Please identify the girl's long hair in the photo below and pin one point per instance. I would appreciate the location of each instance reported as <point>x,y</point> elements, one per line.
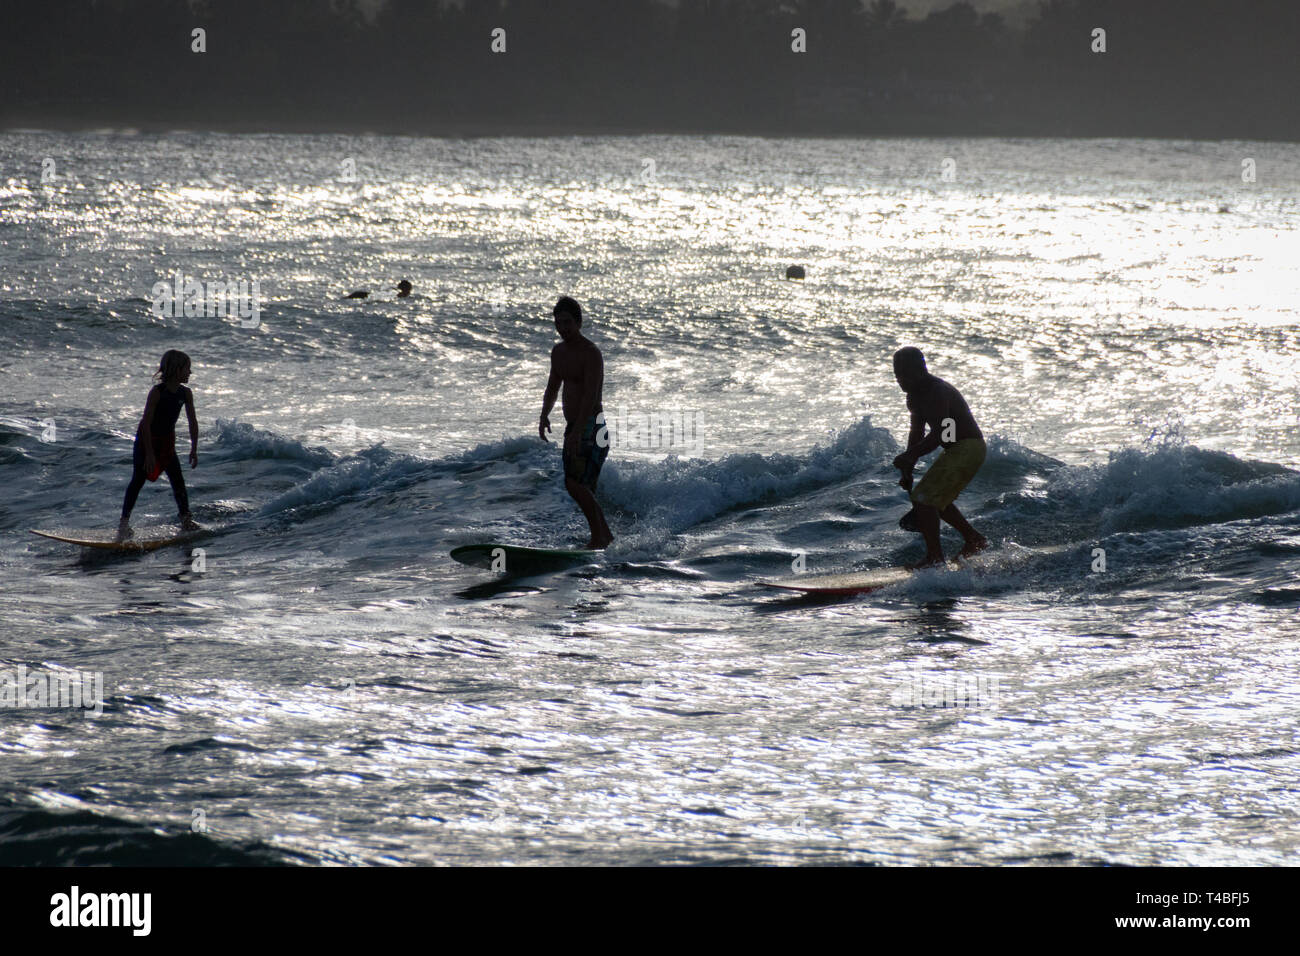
<point>173,363</point>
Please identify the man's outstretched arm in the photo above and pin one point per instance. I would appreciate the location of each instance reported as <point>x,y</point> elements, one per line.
<point>917,430</point>
<point>918,444</point>
<point>922,448</point>
<point>553,383</point>
<point>904,462</point>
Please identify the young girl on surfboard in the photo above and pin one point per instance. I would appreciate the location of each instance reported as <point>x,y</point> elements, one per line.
<point>155,439</point>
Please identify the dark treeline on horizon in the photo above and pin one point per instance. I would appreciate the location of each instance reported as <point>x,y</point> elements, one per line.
<point>1173,68</point>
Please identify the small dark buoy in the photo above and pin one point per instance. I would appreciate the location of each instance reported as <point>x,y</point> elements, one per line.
<point>794,272</point>
<point>360,294</point>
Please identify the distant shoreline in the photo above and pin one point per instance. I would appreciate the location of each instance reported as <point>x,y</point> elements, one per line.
<point>484,130</point>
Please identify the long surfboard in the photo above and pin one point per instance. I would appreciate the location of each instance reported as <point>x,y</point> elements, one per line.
<point>843,583</point>
<point>145,538</point>
<point>513,559</point>
<point>864,582</point>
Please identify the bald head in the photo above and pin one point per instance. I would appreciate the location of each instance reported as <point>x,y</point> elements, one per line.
<point>909,368</point>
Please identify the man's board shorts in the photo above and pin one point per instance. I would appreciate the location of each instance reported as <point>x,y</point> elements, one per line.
<point>944,480</point>
<point>584,465</point>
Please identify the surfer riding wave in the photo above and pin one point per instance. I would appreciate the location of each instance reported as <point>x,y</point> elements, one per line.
<point>577,365</point>
<point>935,403</point>
<point>155,440</point>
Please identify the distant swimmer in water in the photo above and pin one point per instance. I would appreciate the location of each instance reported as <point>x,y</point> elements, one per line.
<point>576,364</point>
<point>934,402</point>
<point>155,439</point>
<point>403,290</point>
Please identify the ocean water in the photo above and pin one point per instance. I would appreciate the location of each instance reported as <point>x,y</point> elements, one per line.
<point>322,684</point>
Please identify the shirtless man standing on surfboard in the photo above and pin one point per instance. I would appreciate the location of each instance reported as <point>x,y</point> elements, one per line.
<point>576,364</point>
<point>934,402</point>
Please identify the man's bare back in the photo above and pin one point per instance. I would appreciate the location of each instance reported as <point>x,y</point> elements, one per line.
<point>937,403</point>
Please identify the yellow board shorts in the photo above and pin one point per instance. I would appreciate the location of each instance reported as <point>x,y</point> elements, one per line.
<point>952,471</point>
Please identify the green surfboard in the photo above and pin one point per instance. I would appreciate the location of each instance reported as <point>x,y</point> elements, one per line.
<point>513,559</point>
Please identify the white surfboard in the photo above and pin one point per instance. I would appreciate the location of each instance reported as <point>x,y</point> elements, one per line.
<point>145,538</point>
<point>864,582</point>
<point>844,582</point>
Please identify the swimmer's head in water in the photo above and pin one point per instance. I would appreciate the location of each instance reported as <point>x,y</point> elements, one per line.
<point>568,317</point>
<point>174,367</point>
<point>909,368</point>
<point>403,289</point>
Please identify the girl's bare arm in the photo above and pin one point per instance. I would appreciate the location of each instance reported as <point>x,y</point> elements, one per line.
<point>194,430</point>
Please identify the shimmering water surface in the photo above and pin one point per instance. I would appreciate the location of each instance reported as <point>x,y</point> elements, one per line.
<point>1120,314</point>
